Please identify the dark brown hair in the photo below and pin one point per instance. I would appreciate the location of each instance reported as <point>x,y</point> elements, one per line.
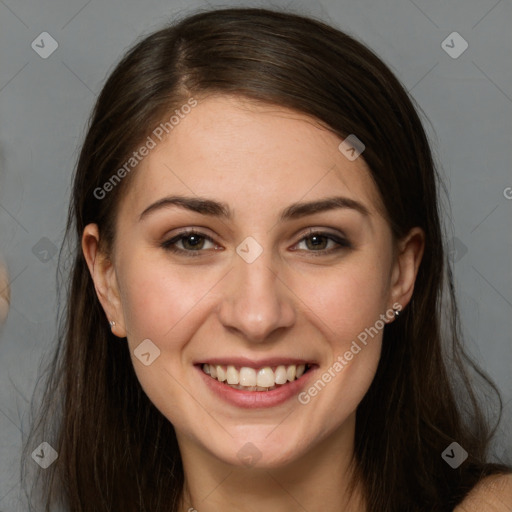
<point>117,452</point>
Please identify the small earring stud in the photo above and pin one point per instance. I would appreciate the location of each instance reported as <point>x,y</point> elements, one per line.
<point>112,323</point>
<point>397,313</point>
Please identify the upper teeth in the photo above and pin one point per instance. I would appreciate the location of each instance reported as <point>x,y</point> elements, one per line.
<point>265,377</point>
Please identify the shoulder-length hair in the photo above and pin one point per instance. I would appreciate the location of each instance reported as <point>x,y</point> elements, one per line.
<point>117,452</point>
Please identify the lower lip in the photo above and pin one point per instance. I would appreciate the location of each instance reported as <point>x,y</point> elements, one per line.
<point>256,399</point>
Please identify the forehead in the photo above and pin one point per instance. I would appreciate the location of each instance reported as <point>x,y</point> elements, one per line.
<point>248,154</point>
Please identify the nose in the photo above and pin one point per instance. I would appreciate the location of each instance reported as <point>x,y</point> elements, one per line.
<point>256,301</point>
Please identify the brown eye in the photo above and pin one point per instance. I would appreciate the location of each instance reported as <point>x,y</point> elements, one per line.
<point>192,243</point>
<point>323,243</point>
<point>317,242</point>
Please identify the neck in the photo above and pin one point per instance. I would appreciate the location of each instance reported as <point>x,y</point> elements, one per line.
<point>320,477</point>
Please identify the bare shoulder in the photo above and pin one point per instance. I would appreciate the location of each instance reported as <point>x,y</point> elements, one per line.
<point>492,494</point>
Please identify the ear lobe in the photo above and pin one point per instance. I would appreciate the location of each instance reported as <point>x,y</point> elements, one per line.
<point>104,277</point>
<point>409,254</point>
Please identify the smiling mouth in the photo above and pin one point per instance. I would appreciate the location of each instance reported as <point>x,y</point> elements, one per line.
<point>245,378</point>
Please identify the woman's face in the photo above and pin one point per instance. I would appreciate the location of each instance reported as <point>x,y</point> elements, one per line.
<point>273,277</point>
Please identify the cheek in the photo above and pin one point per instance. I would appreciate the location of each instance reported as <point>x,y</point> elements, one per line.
<point>157,297</point>
<point>346,300</point>
<point>164,305</point>
<point>347,309</point>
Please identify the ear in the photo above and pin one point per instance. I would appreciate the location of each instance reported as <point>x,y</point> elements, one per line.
<point>409,252</point>
<point>103,274</point>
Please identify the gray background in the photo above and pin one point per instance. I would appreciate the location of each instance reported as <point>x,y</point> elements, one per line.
<point>45,104</point>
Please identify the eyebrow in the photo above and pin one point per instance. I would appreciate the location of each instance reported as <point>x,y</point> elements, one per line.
<point>221,210</point>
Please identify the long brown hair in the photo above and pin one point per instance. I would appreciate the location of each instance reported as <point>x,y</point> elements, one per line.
<point>116,450</point>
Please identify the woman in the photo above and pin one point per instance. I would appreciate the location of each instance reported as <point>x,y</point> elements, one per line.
<point>254,316</point>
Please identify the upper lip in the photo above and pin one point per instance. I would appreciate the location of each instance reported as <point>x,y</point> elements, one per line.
<point>251,363</point>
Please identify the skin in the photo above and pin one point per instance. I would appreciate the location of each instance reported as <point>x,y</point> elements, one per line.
<point>289,302</point>
<point>492,494</point>
<point>5,293</point>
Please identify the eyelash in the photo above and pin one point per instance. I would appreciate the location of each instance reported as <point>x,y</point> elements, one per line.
<point>169,245</point>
